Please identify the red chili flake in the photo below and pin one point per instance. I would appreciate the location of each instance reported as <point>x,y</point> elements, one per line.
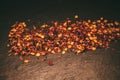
<point>15,54</point>
<point>51,63</point>
<point>21,58</point>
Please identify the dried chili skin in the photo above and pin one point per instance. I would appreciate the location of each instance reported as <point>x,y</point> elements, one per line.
<point>59,37</point>
<point>51,63</point>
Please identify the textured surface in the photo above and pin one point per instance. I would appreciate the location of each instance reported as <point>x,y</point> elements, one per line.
<point>91,65</point>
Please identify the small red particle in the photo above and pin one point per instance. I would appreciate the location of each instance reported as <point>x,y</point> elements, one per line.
<point>21,58</point>
<point>51,63</point>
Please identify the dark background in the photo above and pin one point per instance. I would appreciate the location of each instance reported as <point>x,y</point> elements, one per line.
<point>86,8</point>
<point>21,10</point>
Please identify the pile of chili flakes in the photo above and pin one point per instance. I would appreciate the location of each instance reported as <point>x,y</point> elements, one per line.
<point>59,37</point>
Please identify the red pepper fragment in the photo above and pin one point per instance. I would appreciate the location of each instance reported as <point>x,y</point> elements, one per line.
<point>51,63</point>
